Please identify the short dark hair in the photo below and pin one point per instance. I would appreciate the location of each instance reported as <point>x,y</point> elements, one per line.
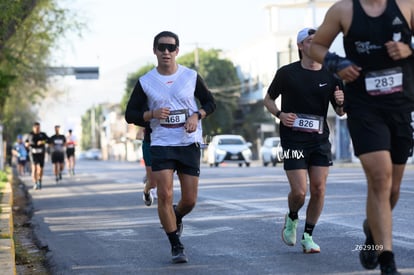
<point>36,123</point>
<point>166,34</point>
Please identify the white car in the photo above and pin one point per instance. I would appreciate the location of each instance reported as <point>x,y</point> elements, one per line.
<point>229,148</point>
<point>271,151</point>
<point>94,153</point>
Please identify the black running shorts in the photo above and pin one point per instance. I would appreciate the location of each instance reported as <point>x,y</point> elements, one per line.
<point>70,152</point>
<point>183,159</point>
<point>296,157</point>
<point>382,130</point>
<point>38,159</point>
<point>58,157</point>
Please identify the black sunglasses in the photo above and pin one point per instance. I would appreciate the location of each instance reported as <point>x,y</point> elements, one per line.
<point>163,46</point>
<point>311,31</point>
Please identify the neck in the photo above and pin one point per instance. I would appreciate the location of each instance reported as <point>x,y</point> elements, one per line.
<point>310,64</point>
<point>167,70</point>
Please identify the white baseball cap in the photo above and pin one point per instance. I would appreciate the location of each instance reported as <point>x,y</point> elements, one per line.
<point>305,33</point>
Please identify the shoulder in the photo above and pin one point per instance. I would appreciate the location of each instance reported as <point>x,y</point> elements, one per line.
<point>341,6</point>
<point>187,70</point>
<point>289,67</point>
<point>407,9</point>
<point>152,72</point>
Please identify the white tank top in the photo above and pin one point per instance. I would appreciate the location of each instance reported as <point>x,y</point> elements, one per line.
<point>176,92</point>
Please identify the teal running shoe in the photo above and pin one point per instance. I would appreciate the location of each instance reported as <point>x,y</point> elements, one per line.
<point>308,245</point>
<point>289,231</point>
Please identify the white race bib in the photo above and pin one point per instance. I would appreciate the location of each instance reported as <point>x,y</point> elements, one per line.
<point>384,82</point>
<point>175,119</point>
<point>308,123</point>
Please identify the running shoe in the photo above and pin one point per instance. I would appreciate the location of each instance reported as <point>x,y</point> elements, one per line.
<point>178,255</point>
<point>308,245</point>
<point>180,225</point>
<point>368,258</point>
<point>390,269</point>
<point>148,199</point>
<point>60,176</point>
<point>154,193</point>
<point>289,231</point>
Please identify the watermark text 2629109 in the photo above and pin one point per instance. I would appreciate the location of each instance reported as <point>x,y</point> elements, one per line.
<point>376,247</point>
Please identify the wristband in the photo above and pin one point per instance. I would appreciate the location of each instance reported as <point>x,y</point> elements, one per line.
<point>278,114</point>
<point>334,63</point>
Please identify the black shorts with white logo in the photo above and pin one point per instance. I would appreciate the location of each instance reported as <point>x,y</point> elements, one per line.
<point>299,157</point>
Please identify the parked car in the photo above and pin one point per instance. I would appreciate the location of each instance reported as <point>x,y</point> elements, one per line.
<point>229,148</point>
<point>94,153</point>
<point>271,151</point>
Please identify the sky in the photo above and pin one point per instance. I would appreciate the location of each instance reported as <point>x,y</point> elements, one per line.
<point>119,36</point>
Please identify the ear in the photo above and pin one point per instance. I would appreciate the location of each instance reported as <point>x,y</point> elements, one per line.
<point>154,50</point>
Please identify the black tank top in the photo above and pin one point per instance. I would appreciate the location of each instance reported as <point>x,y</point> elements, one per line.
<point>364,45</point>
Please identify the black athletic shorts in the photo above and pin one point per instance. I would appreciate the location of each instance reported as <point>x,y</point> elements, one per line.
<point>58,157</point>
<point>183,159</point>
<point>38,159</point>
<point>381,130</point>
<point>70,152</point>
<point>296,157</point>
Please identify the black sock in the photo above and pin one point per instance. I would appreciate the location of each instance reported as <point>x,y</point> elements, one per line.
<point>173,238</point>
<point>293,215</point>
<point>178,216</point>
<point>309,228</point>
<point>386,258</point>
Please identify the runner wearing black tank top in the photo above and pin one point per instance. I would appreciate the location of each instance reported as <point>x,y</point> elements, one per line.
<point>379,101</point>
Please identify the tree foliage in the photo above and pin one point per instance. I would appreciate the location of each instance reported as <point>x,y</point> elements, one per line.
<point>29,31</point>
<point>221,77</point>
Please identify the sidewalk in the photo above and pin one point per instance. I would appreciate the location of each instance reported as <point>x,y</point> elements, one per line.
<point>7,254</point>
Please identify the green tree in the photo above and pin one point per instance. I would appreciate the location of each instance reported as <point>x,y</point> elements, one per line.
<point>221,77</point>
<point>29,31</point>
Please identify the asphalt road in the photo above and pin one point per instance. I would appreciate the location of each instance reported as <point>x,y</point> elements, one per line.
<point>96,223</point>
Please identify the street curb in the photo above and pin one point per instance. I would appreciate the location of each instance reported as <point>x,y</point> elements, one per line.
<point>7,259</point>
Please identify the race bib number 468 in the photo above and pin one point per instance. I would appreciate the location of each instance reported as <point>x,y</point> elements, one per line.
<point>175,119</point>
